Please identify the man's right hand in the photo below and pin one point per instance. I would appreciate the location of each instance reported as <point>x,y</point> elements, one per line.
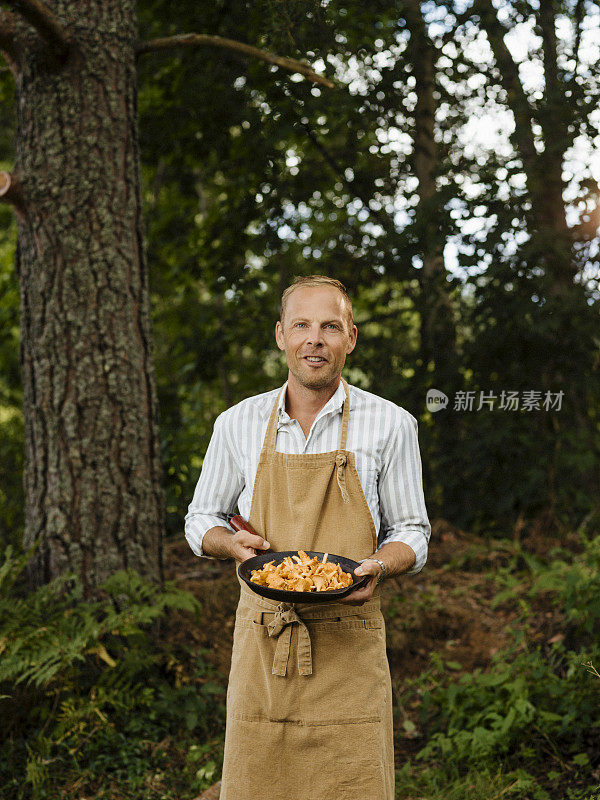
<point>245,545</point>
<point>220,542</point>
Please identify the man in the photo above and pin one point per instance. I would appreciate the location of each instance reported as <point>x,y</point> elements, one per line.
<point>317,465</point>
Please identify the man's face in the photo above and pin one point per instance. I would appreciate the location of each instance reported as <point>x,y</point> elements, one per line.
<point>315,335</point>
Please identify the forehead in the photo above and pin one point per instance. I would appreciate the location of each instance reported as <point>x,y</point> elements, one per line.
<point>307,301</point>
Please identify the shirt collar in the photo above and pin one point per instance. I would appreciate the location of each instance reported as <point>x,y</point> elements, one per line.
<point>335,403</point>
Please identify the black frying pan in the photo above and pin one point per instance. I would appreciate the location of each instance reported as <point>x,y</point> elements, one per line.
<point>347,565</point>
<point>245,570</point>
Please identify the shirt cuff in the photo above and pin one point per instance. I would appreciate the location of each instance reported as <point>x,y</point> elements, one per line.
<point>416,540</point>
<point>196,526</point>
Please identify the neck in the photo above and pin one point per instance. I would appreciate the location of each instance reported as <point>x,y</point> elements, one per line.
<point>302,401</point>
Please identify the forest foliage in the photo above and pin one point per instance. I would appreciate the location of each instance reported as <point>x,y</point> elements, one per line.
<point>450,180</point>
<point>283,178</point>
<point>252,177</point>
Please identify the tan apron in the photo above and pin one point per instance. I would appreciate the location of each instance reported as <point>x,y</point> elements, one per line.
<point>309,701</point>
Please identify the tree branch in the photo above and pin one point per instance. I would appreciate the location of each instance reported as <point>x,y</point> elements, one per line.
<point>553,92</point>
<point>423,58</point>
<point>10,191</point>
<point>510,81</point>
<point>578,22</point>
<point>9,41</point>
<point>46,23</point>
<point>509,71</point>
<point>195,39</point>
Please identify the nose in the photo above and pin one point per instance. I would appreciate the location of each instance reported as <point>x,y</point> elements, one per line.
<point>315,335</point>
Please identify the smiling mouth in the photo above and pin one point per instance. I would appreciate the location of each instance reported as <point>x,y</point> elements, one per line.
<point>315,359</point>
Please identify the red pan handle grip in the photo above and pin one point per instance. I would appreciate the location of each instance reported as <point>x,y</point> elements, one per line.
<point>238,523</point>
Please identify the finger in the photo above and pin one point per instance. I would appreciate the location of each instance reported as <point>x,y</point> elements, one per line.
<point>358,596</point>
<point>368,568</point>
<point>354,600</point>
<point>247,539</point>
<point>363,594</point>
<point>244,553</point>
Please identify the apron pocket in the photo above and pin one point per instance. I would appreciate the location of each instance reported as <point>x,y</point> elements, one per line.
<point>284,761</point>
<point>254,693</point>
<point>350,670</point>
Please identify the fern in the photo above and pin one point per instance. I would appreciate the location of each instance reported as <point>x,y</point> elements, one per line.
<point>49,632</point>
<point>80,680</point>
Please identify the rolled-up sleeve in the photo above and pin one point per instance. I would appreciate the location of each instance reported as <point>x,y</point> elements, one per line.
<point>403,513</point>
<point>217,491</point>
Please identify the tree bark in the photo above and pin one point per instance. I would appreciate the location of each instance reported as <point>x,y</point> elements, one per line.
<point>92,475</point>
<point>555,116</point>
<point>9,43</point>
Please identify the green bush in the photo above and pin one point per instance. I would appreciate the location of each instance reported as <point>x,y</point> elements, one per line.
<point>92,690</point>
<point>574,584</point>
<point>537,710</point>
<point>519,709</point>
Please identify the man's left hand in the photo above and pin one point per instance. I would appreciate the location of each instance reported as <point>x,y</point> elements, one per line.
<point>360,596</point>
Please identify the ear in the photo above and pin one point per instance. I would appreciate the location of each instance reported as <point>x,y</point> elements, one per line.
<point>352,342</point>
<point>279,335</point>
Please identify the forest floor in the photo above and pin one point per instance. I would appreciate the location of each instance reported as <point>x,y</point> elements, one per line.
<point>446,612</point>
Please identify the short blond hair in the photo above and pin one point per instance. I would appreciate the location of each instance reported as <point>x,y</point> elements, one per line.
<point>317,280</point>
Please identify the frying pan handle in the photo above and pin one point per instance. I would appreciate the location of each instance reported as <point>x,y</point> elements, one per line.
<point>238,523</point>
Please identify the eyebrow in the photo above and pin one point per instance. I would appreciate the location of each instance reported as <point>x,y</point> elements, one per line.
<point>337,320</point>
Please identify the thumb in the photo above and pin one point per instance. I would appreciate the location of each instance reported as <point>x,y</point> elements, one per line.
<point>262,544</point>
<point>366,568</point>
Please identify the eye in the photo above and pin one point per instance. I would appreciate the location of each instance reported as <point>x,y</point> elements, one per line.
<point>332,325</point>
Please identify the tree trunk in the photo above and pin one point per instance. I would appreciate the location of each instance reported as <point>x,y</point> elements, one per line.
<point>92,473</point>
<point>438,333</point>
<point>556,117</point>
<point>438,338</point>
<point>543,170</point>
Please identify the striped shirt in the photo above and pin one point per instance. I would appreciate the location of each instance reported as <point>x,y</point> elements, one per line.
<point>382,436</point>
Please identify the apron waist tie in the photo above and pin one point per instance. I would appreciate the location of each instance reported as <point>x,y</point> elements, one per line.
<point>280,627</point>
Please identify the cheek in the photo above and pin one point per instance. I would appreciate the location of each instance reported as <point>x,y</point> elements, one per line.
<point>338,346</point>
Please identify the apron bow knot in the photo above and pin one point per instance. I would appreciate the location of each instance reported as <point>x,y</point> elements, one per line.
<point>284,616</point>
<point>280,628</point>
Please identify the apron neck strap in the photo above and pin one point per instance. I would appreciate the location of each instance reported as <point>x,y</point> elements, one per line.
<point>271,434</point>
<point>345,417</point>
